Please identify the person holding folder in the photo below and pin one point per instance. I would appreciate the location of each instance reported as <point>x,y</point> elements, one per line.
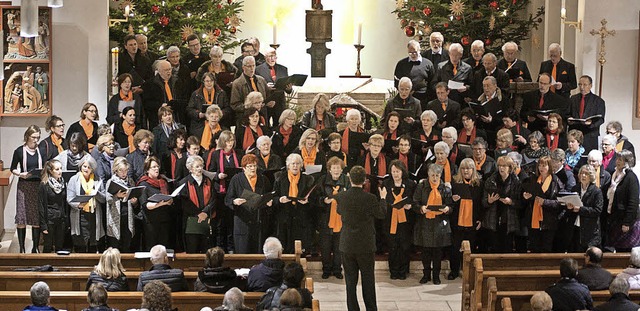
<point>160,224</point>
<point>250,225</point>
<point>586,216</point>
<point>120,207</point>
<point>85,195</point>
<point>197,206</point>
<point>427,135</point>
<point>308,148</point>
<point>398,222</point>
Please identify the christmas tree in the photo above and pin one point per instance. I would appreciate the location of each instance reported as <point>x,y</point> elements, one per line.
<point>170,22</point>
<point>492,21</point>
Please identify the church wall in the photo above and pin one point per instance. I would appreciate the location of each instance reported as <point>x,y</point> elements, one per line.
<point>80,58</point>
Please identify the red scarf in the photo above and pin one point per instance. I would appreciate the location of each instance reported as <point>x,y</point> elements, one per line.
<point>404,159</point>
<point>158,183</point>
<point>285,134</point>
<point>345,139</point>
<point>206,189</point>
<point>552,143</point>
<point>174,158</point>
<point>223,183</point>
<point>249,138</point>
<point>382,168</point>
<point>607,158</point>
<point>463,136</point>
<point>453,154</point>
<point>393,135</point>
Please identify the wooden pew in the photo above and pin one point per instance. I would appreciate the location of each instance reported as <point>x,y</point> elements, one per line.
<point>86,262</point>
<point>77,300</point>
<point>474,267</point>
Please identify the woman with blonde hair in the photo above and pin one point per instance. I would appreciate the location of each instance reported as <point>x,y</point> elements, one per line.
<point>541,192</point>
<point>320,116</point>
<point>308,148</point>
<point>120,225</point>
<point>109,272</point>
<point>287,134</point>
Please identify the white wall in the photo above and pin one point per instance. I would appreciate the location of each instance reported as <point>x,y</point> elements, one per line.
<point>79,75</point>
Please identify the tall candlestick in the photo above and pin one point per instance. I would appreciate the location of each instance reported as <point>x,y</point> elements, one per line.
<point>360,33</point>
<point>275,31</point>
<point>114,69</point>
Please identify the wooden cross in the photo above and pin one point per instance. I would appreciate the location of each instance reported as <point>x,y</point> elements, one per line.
<point>603,33</point>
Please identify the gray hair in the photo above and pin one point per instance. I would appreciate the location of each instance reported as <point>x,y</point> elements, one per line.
<point>216,50</point>
<point>263,140</point>
<point>556,47</point>
<point>595,155</point>
<point>442,146</point>
<point>456,46</point>
<point>405,80</point>
<point>158,254</point>
<point>492,79</point>
<point>619,285</point>
<point>558,155</point>
<point>537,135</point>
<point>492,56</point>
<point>251,97</point>
<point>516,157</point>
<point>40,294</point>
<point>508,44</point>
<point>610,139</point>
<point>451,131</point>
<point>287,113</point>
<point>434,169</point>
<point>272,248</point>
<point>191,161</point>
<point>430,114</point>
<point>247,59</point>
<point>415,44</point>
<point>634,259</point>
<point>437,34</point>
<point>173,49</point>
<point>89,160</point>
<point>477,43</point>
<point>293,158</point>
<point>353,112</point>
<point>233,299</point>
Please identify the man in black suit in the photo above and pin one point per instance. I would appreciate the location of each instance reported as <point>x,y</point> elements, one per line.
<point>183,84</point>
<point>585,105</point>
<point>593,275</point>
<point>456,70</point>
<point>542,99</point>
<point>247,49</point>
<point>517,69</point>
<point>358,210</point>
<point>158,92</point>
<point>417,68</point>
<point>196,57</point>
<point>489,68</point>
<point>132,62</point>
<point>447,110</point>
<point>475,60</point>
<point>562,71</point>
<point>271,72</point>
<point>144,48</point>
<point>436,54</point>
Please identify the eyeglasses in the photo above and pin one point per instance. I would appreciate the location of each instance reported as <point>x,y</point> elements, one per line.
<point>194,45</point>
<point>59,125</point>
<point>251,166</point>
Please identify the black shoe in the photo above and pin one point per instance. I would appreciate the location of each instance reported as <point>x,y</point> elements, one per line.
<point>402,277</point>
<point>394,277</point>
<point>436,281</point>
<point>425,279</point>
<point>325,275</point>
<point>338,275</point>
<point>452,276</point>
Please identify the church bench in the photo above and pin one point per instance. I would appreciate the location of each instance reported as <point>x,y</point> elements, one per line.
<point>77,281</point>
<point>86,262</point>
<point>475,265</point>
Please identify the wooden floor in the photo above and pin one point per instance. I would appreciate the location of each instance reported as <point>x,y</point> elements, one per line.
<point>391,294</point>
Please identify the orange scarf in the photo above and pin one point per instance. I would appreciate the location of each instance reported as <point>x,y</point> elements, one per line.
<point>335,220</point>
<point>382,168</point>
<point>208,98</point>
<point>462,138</point>
<point>598,177</point>
<point>293,184</point>
<point>447,170</point>
<point>126,97</point>
<point>285,134</point>
<point>309,158</point>
<point>129,130</point>
<point>537,216</point>
<point>87,126</point>
<point>434,199</point>
<point>249,138</point>
<point>252,182</point>
<point>207,134</point>
<point>397,214</point>
<point>465,215</point>
<point>619,145</point>
<point>480,164</point>
<point>265,159</point>
<point>57,142</point>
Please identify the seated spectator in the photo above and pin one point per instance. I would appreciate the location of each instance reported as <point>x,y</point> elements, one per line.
<point>619,300</point>
<point>39,298</point>
<point>156,297</point>
<point>541,301</point>
<point>593,275</point>
<point>632,273</point>
<point>268,273</point>
<point>97,299</point>
<point>214,278</point>
<point>292,279</point>
<point>567,294</point>
<point>291,300</point>
<point>109,272</point>
<point>161,271</point>
<point>233,301</point>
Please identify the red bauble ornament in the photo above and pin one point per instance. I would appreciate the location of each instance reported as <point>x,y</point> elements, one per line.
<point>487,41</point>
<point>466,40</point>
<point>217,32</point>
<point>446,25</point>
<point>178,7</point>
<point>413,9</point>
<point>164,20</point>
<point>410,31</point>
<point>458,17</point>
<point>219,6</point>
<point>229,1</point>
<point>232,29</point>
<point>493,5</point>
<point>155,9</point>
<point>404,23</point>
<point>226,21</point>
<point>427,11</point>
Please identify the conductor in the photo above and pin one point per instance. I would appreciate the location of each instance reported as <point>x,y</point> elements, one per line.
<point>357,240</point>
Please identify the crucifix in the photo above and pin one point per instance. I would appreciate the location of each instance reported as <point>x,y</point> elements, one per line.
<point>603,33</point>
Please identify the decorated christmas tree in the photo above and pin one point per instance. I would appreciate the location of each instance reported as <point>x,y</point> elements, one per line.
<point>492,21</point>
<point>170,22</point>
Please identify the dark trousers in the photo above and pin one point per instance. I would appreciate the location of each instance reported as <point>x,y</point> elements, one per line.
<point>365,264</point>
<point>159,233</point>
<point>455,257</point>
<point>195,243</point>
<point>541,241</point>
<point>399,247</point>
<point>330,249</point>
<point>222,225</point>
<point>431,255</point>
<point>55,236</point>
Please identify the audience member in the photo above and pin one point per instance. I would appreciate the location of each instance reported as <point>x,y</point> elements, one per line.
<point>97,298</point>
<point>214,278</point>
<point>619,300</point>
<point>161,271</point>
<point>592,274</point>
<point>268,273</point>
<point>292,279</point>
<point>541,301</point>
<point>40,298</point>
<point>632,272</point>
<point>567,294</point>
<point>233,301</point>
<point>156,297</point>
<point>109,273</point>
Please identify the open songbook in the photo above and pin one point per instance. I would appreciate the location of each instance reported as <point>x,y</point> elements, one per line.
<point>158,197</point>
<point>132,192</point>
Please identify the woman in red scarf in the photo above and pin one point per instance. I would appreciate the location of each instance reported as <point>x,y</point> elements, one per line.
<point>398,224</point>
<point>432,231</point>
<point>248,133</point>
<point>159,226</point>
<point>222,163</point>
<point>428,132</point>
<point>555,137</point>
<point>197,206</point>
<point>375,164</point>
<point>609,153</point>
<point>391,134</point>
<point>470,131</point>
<point>124,98</point>
<point>348,145</point>
<point>287,136</point>
<point>467,211</point>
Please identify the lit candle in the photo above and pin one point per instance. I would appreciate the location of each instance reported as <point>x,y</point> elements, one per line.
<point>360,33</point>
<point>126,10</point>
<point>563,10</point>
<point>275,31</point>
